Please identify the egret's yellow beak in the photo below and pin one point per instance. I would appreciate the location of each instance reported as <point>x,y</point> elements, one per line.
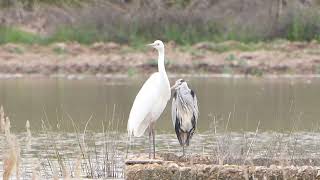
<point>151,45</point>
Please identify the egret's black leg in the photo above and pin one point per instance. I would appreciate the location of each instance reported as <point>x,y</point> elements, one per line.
<point>183,153</point>
<point>128,146</point>
<point>154,142</point>
<point>150,141</point>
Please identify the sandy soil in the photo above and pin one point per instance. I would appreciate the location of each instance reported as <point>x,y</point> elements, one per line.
<point>204,58</point>
<point>172,167</point>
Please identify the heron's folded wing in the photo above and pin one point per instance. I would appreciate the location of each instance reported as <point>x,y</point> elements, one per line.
<point>196,109</point>
<point>191,101</point>
<point>174,109</point>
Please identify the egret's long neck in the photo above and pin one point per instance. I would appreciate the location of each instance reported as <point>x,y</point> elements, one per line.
<point>161,67</point>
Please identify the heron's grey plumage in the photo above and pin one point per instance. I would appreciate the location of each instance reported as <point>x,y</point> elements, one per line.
<point>185,112</point>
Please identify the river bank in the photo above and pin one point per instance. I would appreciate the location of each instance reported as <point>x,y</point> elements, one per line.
<point>230,57</point>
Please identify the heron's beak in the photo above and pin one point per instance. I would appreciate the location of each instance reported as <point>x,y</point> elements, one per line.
<point>174,86</point>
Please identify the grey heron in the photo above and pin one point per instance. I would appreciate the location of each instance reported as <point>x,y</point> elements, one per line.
<point>185,112</point>
<point>150,101</point>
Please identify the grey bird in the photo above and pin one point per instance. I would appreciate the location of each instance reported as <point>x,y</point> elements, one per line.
<point>185,112</point>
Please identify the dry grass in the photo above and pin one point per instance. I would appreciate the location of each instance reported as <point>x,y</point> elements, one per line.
<point>89,160</point>
<point>29,136</point>
<point>36,171</point>
<point>11,160</point>
<point>185,22</point>
<point>2,120</point>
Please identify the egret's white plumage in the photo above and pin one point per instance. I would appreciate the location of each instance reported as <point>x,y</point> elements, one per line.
<point>151,99</point>
<point>148,105</point>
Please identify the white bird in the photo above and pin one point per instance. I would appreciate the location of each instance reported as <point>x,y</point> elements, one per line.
<point>185,112</point>
<point>150,101</point>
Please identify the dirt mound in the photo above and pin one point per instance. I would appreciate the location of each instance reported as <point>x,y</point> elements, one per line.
<point>163,168</point>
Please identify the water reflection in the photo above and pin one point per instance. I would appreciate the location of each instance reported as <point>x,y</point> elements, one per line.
<point>282,104</point>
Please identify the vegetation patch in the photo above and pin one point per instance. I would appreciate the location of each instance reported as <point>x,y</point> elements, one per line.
<point>14,35</point>
<point>108,21</point>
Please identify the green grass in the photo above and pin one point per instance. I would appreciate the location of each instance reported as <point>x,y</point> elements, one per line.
<point>304,27</point>
<point>131,71</point>
<point>13,35</point>
<point>32,3</point>
<point>59,50</point>
<point>186,35</point>
<point>231,58</point>
<point>15,50</point>
<point>70,2</point>
<point>182,27</point>
<point>80,35</point>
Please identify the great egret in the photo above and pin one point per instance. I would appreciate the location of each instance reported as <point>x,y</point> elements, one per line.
<point>185,112</point>
<point>150,101</point>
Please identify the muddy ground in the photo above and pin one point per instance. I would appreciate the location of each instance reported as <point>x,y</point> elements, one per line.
<point>199,167</point>
<point>278,57</point>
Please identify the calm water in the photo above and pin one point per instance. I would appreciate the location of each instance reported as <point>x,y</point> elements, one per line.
<point>238,103</point>
<point>285,111</point>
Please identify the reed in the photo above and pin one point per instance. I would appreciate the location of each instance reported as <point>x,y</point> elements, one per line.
<point>11,160</point>
<point>29,136</point>
<point>2,120</point>
<point>36,171</point>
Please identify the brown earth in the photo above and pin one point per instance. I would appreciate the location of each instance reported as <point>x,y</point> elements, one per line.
<point>197,167</point>
<point>278,57</point>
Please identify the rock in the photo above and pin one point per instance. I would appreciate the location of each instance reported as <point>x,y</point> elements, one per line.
<point>203,45</point>
<point>112,45</point>
<point>61,46</point>
<point>143,161</point>
<point>318,174</point>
